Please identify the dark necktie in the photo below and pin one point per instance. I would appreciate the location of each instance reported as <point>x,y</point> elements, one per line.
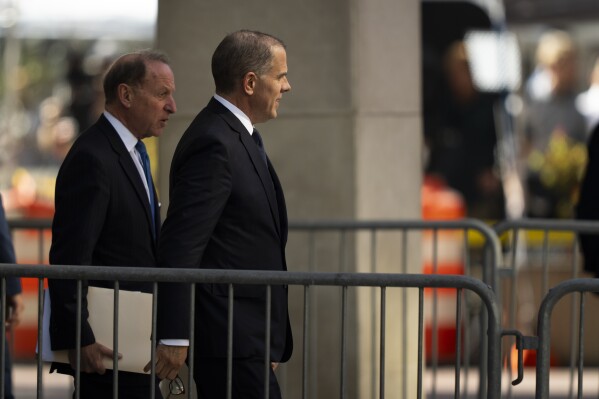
<point>258,139</point>
<point>145,162</point>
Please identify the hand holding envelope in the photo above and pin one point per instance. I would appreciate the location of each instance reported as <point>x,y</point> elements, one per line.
<point>134,325</point>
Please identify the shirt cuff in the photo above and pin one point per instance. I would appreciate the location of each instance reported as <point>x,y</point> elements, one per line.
<point>174,342</point>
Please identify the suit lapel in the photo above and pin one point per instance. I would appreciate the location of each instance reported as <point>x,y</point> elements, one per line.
<point>264,174</point>
<point>252,150</point>
<point>282,207</point>
<point>128,166</point>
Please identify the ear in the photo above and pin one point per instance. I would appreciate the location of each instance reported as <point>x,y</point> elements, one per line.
<point>125,94</point>
<point>249,83</point>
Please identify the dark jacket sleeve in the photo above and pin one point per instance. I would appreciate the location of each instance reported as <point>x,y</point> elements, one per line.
<point>588,204</point>
<point>7,253</point>
<point>81,201</point>
<point>200,186</point>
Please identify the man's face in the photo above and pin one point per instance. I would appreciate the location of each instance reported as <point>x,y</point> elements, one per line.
<point>153,101</point>
<point>270,88</point>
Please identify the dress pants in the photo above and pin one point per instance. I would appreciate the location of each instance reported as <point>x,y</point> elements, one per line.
<point>95,386</point>
<point>247,381</point>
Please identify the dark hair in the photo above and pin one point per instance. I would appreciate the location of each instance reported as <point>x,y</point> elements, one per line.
<point>129,69</point>
<point>239,53</point>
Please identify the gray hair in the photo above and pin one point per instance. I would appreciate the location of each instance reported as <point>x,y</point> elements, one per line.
<point>129,69</point>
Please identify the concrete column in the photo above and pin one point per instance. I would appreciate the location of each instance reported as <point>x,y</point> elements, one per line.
<point>346,145</point>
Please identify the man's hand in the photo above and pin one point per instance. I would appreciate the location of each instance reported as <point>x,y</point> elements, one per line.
<point>16,306</point>
<point>169,360</point>
<point>92,358</point>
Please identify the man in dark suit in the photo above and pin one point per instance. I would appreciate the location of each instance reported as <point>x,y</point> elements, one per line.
<point>107,209</point>
<point>227,211</point>
<point>14,298</point>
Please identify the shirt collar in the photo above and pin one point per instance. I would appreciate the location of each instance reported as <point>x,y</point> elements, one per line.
<point>243,118</point>
<point>126,136</point>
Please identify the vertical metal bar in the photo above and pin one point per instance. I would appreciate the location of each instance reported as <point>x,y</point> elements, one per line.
<point>575,256</point>
<point>581,344</point>
<point>573,324</point>
<point>191,349</point>
<point>40,340</point>
<point>545,262</point>
<point>458,342</point>
<point>306,360</point>
<point>404,316</point>
<point>230,345</point>
<point>513,305</point>
<point>420,340</point>
<point>267,342</point>
<point>573,345</point>
<point>343,340</point>
<point>311,251</point>
<point>78,340</point>
<point>343,251</point>
<point>466,294</point>
<point>3,336</point>
<point>382,344</point>
<point>435,332</point>
<point>373,265</point>
<point>40,254</point>
<point>115,343</point>
<point>484,348</point>
<point>314,347</point>
<point>153,339</point>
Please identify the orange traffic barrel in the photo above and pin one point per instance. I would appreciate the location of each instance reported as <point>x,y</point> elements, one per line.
<point>442,253</point>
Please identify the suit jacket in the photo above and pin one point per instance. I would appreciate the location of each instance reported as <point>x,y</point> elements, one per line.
<point>588,204</point>
<point>102,218</point>
<point>226,211</point>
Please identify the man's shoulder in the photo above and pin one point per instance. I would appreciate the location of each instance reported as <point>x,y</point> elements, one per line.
<point>211,122</point>
<point>91,147</point>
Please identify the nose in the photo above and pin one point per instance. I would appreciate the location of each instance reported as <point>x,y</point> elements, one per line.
<point>286,86</point>
<point>171,106</point>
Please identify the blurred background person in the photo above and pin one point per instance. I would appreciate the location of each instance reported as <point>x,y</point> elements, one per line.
<point>463,140</point>
<point>553,130</point>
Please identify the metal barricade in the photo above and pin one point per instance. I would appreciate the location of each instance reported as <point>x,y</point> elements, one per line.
<point>540,254</point>
<point>314,237</point>
<point>35,229</point>
<point>31,239</point>
<point>478,246</point>
<point>580,286</point>
<point>344,283</point>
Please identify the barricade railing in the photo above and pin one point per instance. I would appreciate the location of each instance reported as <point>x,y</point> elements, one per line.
<point>487,248</point>
<point>539,253</point>
<point>39,226</point>
<point>491,251</point>
<point>308,281</point>
<point>480,253</point>
<point>544,247</point>
<point>31,239</point>
<point>555,294</point>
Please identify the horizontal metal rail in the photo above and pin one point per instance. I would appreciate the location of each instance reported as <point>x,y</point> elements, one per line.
<point>490,236</point>
<point>578,226</point>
